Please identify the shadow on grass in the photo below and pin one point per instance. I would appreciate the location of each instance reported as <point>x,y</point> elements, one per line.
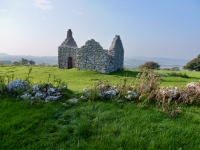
<point>127,73</point>
<point>182,79</point>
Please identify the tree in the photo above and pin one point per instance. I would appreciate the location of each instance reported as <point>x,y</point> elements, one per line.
<point>16,63</point>
<point>150,65</point>
<point>194,64</point>
<point>31,62</point>
<point>24,61</point>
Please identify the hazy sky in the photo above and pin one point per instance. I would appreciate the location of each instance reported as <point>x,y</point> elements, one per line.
<point>154,28</point>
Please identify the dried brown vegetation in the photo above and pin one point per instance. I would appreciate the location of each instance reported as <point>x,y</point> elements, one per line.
<point>145,89</point>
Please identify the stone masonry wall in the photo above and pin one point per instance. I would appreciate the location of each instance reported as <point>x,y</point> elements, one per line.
<point>116,49</point>
<point>63,55</point>
<point>91,56</point>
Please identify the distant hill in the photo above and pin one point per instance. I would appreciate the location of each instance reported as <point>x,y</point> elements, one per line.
<point>51,60</point>
<point>8,62</point>
<point>132,62</point>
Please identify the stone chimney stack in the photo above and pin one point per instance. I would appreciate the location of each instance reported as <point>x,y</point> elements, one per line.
<point>69,33</point>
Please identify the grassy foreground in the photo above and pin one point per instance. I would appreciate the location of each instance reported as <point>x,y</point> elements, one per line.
<point>94,125</point>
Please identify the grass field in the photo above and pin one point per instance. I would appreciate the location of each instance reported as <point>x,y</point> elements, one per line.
<point>94,125</point>
<point>77,80</point>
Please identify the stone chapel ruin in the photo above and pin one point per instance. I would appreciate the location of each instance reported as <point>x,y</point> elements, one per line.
<point>91,56</point>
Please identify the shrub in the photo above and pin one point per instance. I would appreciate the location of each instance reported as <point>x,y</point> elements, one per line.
<point>194,64</point>
<point>150,65</point>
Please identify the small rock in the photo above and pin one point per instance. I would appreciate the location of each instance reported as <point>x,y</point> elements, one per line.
<point>73,100</point>
<point>52,98</point>
<point>57,94</point>
<point>131,94</point>
<point>40,95</point>
<point>35,88</point>
<point>50,91</point>
<point>109,94</point>
<point>26,96</point>
<point>16,85</point>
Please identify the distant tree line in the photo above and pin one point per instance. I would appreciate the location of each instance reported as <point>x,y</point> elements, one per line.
<point>24,61</point>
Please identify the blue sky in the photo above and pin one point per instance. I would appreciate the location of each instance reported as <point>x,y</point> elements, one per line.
<point>149,28</point>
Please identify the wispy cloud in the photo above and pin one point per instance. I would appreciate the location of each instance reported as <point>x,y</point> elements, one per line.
<point>43,4</point>
<point>2,10</point>
<point>77,12</point>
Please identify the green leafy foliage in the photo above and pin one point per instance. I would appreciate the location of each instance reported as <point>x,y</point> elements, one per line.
<point>150,65</point>
<point>194,64</point>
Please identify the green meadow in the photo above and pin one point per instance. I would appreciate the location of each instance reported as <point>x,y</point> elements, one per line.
<point>102,124</point>
<point>78,80</point>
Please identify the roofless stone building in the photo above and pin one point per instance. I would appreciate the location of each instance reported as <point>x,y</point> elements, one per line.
<point>91,56</point>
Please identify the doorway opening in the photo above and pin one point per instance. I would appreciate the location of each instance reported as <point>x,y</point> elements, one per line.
<point>69,63</point>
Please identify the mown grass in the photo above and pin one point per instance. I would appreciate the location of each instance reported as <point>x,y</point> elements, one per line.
<point>94,125</point>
